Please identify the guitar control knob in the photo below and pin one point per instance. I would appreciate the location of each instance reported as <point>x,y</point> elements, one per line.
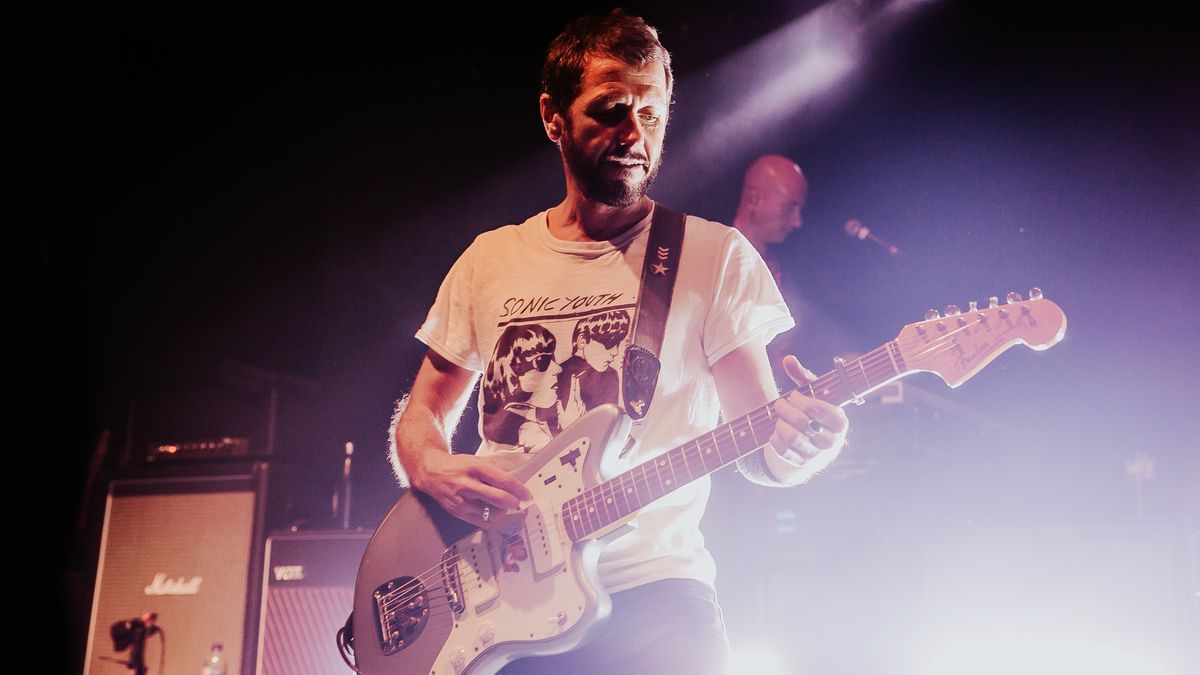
<point>953,310</point>
<point>931,314</point>
<point>459,660</point>
<point>993,302</point>
<point>487,632</point>
<point>1013,297</point>
<point>1035,293</point>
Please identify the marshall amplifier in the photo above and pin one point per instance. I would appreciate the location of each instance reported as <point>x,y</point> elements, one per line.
<point>189,548</point>
<point>308,591</point>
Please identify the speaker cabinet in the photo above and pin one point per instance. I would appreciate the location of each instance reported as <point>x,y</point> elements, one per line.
<point>308,587</point>
<point>188,547</point>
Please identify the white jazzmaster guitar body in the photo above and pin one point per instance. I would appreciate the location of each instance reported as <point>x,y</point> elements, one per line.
<point>437,596</point>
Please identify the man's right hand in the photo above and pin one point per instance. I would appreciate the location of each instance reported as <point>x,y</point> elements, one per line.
<point>466,485</point>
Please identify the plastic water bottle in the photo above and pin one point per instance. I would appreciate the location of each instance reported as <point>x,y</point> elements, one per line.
<point>215,665</point>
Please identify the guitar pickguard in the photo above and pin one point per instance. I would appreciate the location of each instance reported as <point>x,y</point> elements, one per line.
<point>526,582</point>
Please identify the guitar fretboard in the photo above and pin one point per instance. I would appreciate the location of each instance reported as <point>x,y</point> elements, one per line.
<point>609,502</point>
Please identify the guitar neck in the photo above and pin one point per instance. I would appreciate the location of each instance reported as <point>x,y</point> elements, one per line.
<point>624,494</point>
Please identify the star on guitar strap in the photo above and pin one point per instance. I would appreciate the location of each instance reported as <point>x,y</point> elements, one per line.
<point>663,251</point>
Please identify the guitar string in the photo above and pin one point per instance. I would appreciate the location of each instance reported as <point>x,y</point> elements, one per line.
<point>602,496</point>
<point>945,337</point>
<point>590,501</point>
<point>582,502</point>
<point>402,594</point>
<point>672,459</point>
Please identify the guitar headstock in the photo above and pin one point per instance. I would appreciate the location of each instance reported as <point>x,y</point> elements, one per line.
<point>958,343</point>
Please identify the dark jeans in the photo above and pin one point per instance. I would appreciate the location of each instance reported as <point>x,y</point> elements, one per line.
<point>669,626</point>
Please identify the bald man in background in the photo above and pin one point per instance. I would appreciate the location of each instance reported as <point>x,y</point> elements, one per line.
<point>773,193</point>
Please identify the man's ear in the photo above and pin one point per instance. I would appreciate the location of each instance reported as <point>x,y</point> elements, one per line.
<point>552,120</point>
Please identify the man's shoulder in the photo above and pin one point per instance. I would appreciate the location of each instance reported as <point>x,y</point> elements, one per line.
<point>701,231</point>
<point>506,234</point>
<point>707,226</point>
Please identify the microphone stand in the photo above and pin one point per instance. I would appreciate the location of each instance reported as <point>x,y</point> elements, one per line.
<point>137,653</point>
<point>346,486</point>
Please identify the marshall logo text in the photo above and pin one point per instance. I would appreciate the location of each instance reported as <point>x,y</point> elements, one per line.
<point>164,586</point>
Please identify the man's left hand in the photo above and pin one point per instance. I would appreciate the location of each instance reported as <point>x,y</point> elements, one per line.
<point>808,426</point>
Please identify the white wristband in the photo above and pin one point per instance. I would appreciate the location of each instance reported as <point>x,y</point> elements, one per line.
<point>783,465</point>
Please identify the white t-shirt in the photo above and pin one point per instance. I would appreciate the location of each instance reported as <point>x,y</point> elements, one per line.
<point>546,322</point>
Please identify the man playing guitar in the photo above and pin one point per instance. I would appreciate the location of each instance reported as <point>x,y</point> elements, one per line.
<point>561,288</point>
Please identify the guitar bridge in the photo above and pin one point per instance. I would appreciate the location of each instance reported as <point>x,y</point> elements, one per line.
<point>452,581</point>
<point>401,612</point>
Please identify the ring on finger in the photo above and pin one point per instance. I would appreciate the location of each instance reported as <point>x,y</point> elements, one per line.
<point>487,513</point>
<point>813,428</point>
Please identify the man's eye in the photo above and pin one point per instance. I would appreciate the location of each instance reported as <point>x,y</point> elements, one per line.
<point>610,116</point>
<point>650,119</point>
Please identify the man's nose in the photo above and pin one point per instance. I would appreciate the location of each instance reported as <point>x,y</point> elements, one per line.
<point>630,131</point>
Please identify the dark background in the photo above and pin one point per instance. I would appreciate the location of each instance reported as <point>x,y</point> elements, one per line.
<point>285,190</point>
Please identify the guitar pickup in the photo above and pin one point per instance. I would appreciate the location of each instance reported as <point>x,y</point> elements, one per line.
<point>546,549</point>
<point>476,570</point>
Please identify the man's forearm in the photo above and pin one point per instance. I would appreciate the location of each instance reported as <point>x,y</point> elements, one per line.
<point>426,417</point>
<point>415,434</point>
<point>465,486</point>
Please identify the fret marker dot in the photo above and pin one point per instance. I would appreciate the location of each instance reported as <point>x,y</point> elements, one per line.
<point>741,433</point>
<point>708,451</point>
<point>668,481</point>
<point>608,501</point>
<point>629,490</point>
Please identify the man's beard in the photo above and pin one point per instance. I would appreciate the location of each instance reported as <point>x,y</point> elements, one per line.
<point>589,175</point>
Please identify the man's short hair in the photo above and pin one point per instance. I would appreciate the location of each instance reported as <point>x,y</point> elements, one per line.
<point>607,328</point>
<point>617,35</point>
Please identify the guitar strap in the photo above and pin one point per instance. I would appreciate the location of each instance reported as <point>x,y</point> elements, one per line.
<point>663,250</point>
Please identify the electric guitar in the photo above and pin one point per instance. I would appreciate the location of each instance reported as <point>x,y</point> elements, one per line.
<point>438,596</point>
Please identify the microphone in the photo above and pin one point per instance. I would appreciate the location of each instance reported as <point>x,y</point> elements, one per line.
<point>856,229</point>
<point>128,632</point>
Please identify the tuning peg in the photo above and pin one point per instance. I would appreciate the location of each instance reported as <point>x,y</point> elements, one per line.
<point>972,306</point>
<point>953,310</point>
<point>931,314</point>
<point>1035,293</point>
<point>993,302</point>
<point>1012,298</point>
